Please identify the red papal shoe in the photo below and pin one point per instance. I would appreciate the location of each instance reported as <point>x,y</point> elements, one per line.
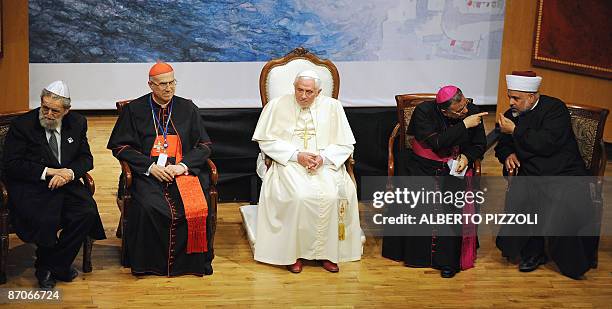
<point>330,266</point>
<point>296,267</point>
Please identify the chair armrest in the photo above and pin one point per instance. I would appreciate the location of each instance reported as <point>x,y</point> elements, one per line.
<point>391,162</point>
<point>126,173</point>
<point>601,169</point>
<point>350,168</point>
<point>214,174</point>
<point>4,194</point>
<point>89,182</point>
<point>267,160</point>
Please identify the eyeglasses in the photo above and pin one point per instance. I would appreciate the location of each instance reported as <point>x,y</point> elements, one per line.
<point>165,85</point>
<point>460,110</point>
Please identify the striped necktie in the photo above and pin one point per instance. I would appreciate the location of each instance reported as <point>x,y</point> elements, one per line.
<point>53,144</point>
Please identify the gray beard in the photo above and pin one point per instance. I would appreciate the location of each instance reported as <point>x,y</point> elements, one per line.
<point>49,124</point>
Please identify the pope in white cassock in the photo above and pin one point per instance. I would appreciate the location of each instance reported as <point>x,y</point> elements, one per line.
<point>308,202</point>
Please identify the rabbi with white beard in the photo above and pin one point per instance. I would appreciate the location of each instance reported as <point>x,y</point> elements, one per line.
<point>45,154</point>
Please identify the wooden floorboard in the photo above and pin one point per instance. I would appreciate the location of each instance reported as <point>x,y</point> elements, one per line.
<point>239,281</point>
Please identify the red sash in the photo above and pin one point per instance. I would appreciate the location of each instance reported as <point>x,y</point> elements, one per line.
<point>194,201</point>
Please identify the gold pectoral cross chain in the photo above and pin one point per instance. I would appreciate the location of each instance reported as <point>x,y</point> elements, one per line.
<point>306,137</point>
<point>158,146</point>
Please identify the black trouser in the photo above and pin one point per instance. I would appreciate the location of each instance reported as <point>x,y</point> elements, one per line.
<point>77,218</point>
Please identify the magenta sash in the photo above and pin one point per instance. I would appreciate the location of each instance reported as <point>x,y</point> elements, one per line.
<point>469,240</point>
<point>425,152</point>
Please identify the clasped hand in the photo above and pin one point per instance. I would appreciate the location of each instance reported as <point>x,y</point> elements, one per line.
<point>59,177</point>
<point>310,161</point>
<point>167,173</point>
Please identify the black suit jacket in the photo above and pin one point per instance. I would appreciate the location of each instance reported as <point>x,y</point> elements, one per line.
<point>35,209</point>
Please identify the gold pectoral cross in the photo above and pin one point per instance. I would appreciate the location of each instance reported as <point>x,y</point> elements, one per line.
<point>158,147</point>
<point>306,137</point>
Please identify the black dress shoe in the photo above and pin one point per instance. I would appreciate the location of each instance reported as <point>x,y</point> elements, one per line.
<point>447,272</point>
<point>67,276</point>
<point>45,279</point>
<point>531,263</point>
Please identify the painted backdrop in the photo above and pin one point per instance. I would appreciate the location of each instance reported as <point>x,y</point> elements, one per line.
<point>103,48</point>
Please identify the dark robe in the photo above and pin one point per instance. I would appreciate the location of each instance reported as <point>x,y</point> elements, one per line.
<point>441,134</point>
<point>545,145</point>
<point>38,212</point>
<point>157,227</point>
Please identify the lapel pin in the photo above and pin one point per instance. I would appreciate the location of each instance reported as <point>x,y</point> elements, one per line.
<point>70,140</point>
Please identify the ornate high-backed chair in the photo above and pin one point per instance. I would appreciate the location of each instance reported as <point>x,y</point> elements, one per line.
<point>588,125</point>
<point>124,197</point>
<point>5,226</point>
<point>276,79</point>
<point>405,106</point>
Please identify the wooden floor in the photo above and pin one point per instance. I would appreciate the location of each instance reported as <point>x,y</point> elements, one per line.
<point>240,281</point>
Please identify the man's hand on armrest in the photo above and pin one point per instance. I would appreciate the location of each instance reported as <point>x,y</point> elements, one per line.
<point>512,162</point>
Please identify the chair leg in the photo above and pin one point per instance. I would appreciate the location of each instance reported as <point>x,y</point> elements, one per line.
<point>3,258</point>
<point>595,261</point>
<point>120,206</point>
<point>87,248</point>
<point>124,245</point>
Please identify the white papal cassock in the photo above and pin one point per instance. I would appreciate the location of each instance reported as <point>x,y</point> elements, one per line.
<point>300,212</point>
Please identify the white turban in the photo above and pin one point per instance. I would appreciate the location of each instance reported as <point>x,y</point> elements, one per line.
<point>523,81</point>
<point>60,88</point>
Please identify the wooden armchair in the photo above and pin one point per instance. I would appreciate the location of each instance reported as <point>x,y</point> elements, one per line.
<point>5,225</point>
<point>276,79</point>
<point>124,197</point>
<point>405,106</point>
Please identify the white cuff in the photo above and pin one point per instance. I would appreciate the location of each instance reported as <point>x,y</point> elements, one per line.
<point>326,161</point>
<point>44,174</point>
<point>294,156</point>
<point>186,168</point>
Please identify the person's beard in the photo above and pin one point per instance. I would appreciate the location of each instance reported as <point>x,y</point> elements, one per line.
<point>49,124</point>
